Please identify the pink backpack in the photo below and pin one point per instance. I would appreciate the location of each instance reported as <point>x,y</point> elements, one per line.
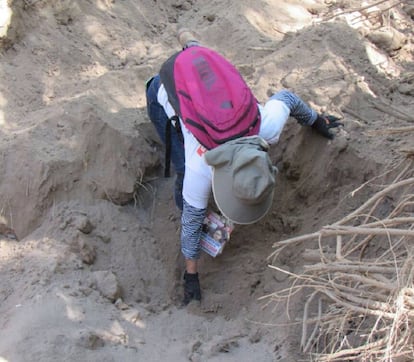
<point>210,96</point>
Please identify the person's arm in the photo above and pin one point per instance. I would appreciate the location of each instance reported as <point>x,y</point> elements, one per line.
<point>305,115</point>
<point>196,192</point>
<point>191,225</point>
<point>298,109</point>
<point>277,110</point>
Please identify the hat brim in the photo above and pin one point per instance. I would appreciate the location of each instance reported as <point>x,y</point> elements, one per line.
<point>232,207</point>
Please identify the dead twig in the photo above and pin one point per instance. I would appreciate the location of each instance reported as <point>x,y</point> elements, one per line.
<point>354,10</point>
<point>350,267</point>
<point>375,13</point>
<point>392,111</point>
<point>356,115</point>
<point>344,230</point>
<point>377,196</point>
<point>409,153</point>
<point>390,131</point>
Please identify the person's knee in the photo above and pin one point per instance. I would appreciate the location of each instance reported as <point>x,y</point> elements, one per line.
<point>152,86</point>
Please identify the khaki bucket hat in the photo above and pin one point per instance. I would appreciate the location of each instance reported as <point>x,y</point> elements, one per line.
<point>243,179</point>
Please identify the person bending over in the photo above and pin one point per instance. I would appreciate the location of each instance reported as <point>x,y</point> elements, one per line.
<point>239,172</point>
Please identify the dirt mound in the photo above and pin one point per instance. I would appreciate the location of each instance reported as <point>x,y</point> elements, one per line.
<point>96,271</point>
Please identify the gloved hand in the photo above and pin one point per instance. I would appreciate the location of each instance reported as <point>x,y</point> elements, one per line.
<point>324,122</point>
<point>191,288</point>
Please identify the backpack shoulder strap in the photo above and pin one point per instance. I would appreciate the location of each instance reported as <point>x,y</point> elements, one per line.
<point>173,122</point>
<point>167,79</point>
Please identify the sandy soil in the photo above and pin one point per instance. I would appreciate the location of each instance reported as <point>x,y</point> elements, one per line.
<point>89,240</point>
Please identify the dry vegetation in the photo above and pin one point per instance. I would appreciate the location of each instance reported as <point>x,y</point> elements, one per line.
<point>358,279</point>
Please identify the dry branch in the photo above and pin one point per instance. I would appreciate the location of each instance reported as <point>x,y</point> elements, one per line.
<point>346,230</point>
<point>409,153</point>
<point>365,276</point>
<point>394,112</point>
<point>395,130</point>
<point>374,198</point>
<point>352,10</point>
<point>356,115</point>
<point>360,268</point>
